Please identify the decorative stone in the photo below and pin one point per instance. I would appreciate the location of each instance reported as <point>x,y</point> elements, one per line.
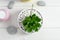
<point>12,30</point>
<point>10,5</point>
<point>41,3</point>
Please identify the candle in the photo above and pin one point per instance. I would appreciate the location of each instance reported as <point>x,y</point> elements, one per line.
<point>24,0</point>
<point>4,14</point>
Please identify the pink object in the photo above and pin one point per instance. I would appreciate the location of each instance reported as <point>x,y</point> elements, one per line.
<point>4,14</point>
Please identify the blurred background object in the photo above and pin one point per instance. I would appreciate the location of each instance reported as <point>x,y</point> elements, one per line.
<point>41,3</point>
<point>12,30</point>
<point>4,14</point>
<point>10,5</point>
<point>24,0</point>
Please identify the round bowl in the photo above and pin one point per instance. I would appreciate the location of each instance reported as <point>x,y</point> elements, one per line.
<point>26,12</point>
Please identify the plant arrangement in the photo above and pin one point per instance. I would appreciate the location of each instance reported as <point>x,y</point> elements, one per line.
<point>31,23</point>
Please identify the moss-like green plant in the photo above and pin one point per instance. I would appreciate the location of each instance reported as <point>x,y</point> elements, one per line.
<point>31,23</point>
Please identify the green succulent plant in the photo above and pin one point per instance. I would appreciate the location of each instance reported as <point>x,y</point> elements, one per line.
<point>31,23</point>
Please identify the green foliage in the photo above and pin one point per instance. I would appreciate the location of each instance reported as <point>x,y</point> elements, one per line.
<point>31,23</point>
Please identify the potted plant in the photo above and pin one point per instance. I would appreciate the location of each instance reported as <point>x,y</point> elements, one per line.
<point>30,22</point>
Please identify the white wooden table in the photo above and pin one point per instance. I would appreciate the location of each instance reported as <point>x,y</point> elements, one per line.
<point>51,21</point>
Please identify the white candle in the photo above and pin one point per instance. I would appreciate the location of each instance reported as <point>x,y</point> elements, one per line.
<point>4,14</point>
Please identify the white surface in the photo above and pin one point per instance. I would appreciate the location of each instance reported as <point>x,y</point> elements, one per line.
<point>51,26</point>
